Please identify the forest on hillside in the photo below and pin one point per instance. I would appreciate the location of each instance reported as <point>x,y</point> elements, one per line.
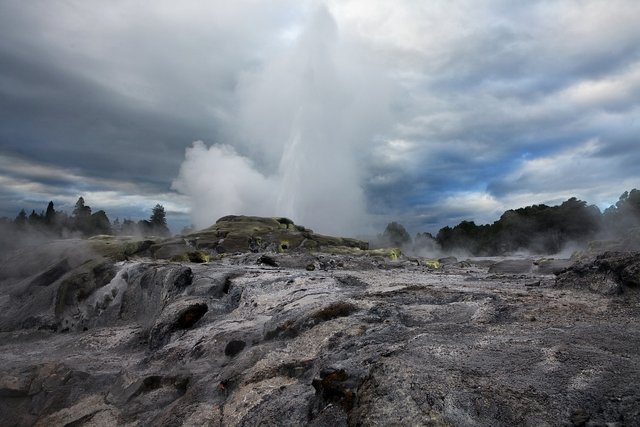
<point>537,228</point>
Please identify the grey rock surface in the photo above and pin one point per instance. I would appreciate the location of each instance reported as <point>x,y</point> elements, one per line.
<point>609,273</point>
<point>353,341</point>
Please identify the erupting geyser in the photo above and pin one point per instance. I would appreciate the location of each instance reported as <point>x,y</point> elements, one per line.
<point>304,117</point>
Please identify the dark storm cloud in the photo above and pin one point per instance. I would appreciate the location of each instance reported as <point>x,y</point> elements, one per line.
<point>52,113</point>
<point>78,124</point>
<point>111,94</point>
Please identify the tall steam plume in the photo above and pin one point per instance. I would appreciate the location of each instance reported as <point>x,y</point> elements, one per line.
<point>305,118</point>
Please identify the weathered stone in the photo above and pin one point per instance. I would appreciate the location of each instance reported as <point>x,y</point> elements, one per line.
<point>377,342</point>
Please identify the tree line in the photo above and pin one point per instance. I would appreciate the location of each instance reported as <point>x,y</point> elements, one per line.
<point>84,222</point>
<point>537,228</point>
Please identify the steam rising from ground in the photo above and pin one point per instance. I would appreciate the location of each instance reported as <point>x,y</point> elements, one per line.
<point>304,119</point>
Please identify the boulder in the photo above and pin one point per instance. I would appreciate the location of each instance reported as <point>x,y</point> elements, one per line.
<point>448,260</point>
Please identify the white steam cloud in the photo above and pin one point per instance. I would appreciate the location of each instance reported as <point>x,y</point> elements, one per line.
<point>306,118</point>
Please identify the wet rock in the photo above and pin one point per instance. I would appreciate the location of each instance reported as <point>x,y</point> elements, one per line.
<point>234,347</point>
<point>332,311</point>
<point>82,283</point>
<point>52,274</point>
<point>181,277</point>
<point>182,314</point>
<point>40,303</point>
<point>334,386</point>
<point>290,327</point>
<point>267,260</point>
<point>52,387</point>
<point>128,386</point>
<point>90,410</point>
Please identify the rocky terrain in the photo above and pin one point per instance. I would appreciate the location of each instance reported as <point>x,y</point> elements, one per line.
<point>274,325</point>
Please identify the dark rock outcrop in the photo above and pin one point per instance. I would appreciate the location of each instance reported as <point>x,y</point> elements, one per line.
<point>609,273</point>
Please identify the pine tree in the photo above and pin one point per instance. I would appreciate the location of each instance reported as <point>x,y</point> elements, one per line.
<point>81,210</point>
<point>21,219</point>
<point>82,217</point>
<point>158,220</point>
<point>34,218</point>
<point>50,214</point>
<point>100,223</point>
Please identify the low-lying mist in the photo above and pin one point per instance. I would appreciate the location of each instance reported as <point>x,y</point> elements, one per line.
<point>303,119</point>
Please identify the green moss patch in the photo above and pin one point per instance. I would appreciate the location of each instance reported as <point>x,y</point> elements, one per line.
<point>433,264</point>
<point>194,256</point>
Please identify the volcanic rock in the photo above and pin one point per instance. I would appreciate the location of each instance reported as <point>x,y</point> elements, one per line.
<point>358,340</point>
<point>609,273</point>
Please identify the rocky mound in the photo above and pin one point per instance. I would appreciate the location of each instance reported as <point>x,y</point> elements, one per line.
<point>232,234</point>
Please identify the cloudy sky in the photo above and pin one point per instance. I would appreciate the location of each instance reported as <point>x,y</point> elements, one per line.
<point>342,114</point>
